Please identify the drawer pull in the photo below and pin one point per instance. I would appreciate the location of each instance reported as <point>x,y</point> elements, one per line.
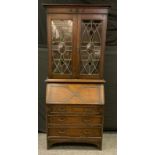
<point>86,132</point>
<point>74,10</point>
<point>61,109</point>
<point>61,119</point>
<point>86,120</point>
<point>61,132</point>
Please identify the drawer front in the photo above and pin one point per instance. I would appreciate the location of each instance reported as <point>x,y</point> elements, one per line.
<point>74,120</point>
<point>75,132</point>
<point>91,109</point>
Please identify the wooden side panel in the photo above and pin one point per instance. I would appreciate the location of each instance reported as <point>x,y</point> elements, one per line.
<point>75,93</point>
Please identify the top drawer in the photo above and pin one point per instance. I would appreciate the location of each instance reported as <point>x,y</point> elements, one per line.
<point>74,109</point>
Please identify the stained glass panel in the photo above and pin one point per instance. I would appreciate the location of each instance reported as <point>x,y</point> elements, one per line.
<point>61,46</point>
<point>90,48</point>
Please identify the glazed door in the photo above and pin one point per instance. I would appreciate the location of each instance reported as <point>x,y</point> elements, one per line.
<point>61,45</point>
<point>91,42</point>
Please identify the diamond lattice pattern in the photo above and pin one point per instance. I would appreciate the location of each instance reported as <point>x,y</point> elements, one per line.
<point>90,46</point>
<point>61,46</point>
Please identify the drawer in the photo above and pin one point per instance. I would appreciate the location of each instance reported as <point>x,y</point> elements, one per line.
<point>75,132</point>
<point>90,109</point>
<point>74,120</point>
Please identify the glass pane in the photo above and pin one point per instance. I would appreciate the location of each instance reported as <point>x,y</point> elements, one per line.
<point>90,48</point>
<point>61,46</point>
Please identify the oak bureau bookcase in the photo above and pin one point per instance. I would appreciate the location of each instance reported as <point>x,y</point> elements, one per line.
<point>75,84</point>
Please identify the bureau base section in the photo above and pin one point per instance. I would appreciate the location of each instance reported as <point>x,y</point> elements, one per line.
<point>94,141</point>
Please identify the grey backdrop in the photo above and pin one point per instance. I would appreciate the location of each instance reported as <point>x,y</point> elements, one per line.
<point>110,66</point>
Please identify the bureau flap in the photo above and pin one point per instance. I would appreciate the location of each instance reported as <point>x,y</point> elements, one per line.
<point>74,93</point>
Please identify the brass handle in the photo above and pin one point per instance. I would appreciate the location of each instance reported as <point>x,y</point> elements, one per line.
<point>62,109</point>
<point>74,10</point>
<point>61,131</point>
<point>85,132</point>
<point>86,120</point>
<point>61,119</point>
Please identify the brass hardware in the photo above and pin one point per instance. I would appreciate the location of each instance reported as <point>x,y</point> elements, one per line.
<point>86,120</point>
<point>61,131</point>
<point>62,109</point>
<point>61,119</point>
<point>86,132</point>
<point>74,10</point>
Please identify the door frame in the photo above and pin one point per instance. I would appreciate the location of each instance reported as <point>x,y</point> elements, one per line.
<point>102,17</point>
<point>51,17</point>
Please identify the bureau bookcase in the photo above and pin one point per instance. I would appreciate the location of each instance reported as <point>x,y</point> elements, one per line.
<point>75,84</point>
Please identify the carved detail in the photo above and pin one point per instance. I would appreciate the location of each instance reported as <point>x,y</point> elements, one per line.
<point>52,142</point>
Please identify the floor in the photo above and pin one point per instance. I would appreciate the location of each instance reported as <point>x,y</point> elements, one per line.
<point>109,147</point>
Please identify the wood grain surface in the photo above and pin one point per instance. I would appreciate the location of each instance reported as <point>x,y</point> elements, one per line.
<point>75,93</point>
